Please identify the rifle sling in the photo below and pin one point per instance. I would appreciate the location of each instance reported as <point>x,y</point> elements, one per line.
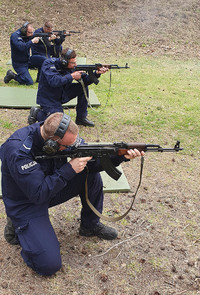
<point>87,97</point>
<point>107,218</point>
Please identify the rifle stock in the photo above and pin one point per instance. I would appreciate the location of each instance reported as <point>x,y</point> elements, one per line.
<point>104,151</point>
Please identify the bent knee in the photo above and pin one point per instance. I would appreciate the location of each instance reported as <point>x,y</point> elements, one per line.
<point>48,270</point>
<point>48,267</point>
<point>42,263</point>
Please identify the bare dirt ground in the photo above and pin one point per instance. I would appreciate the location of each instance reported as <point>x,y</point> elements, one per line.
<point>157,252</point>
<point>111,28</point>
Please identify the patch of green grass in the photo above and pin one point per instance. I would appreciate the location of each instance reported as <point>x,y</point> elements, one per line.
<point>2,216</point>
<point>6,124</point>
<point>157,99</point>
<point>50,4</point>
<point>134,268</point>
<point>124,222</point>
<point>192,231</point>
<point>69,216</point>
<point>159,263</point>
<point>159,96</point>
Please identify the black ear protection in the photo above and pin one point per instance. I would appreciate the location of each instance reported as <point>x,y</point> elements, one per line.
<point>51,146</point>
<point>65,59</point>
<point>24,28</point>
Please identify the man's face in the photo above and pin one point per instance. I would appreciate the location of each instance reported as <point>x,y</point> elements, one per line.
<point>72,63</point>
<point>29,31</point>
<point>47,29</point>
<point>69,139</point>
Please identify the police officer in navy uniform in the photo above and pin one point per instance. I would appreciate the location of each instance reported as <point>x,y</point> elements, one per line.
<point>20,42</point>
<point>48,46</point>
<point>56,87</point>
<point>30,187</point>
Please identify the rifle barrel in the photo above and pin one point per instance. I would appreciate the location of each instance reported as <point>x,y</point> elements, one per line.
<point>99,65</point>
<point>102,150</point>
<point>65,32</point>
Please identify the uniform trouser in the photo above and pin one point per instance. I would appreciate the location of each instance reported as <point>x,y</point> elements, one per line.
<point>55,50</point>
<point>36,61</point>
<point>75,90</point>
<point>23,76</point>
<point>40,246</point>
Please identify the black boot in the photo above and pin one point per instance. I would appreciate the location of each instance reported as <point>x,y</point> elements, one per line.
<point>32,118</point>
<point>9,76</point>
<point>84,122</point>
<point>100,230</point>
<point>9,233</point>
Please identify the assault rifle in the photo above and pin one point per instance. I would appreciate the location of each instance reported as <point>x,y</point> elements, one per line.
<point>37,35</point>
<point>103,151</point>
<point>90,68</point>
<point>65,33</point>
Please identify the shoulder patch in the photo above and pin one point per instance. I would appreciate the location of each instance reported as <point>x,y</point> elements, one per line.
<point>27,166</point>
<point>27,145</point>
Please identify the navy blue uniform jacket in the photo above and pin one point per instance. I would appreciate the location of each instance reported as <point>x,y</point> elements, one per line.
<point>20,47</point>
<point>52,81</point>
<point>28,185</point>
<point>44,46</point>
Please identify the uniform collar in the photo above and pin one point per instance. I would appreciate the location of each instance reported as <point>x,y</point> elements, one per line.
<point>38,140</point>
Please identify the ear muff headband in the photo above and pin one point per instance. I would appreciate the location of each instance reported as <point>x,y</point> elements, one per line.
<point>24,28</point>
<point>62,128</point>
<point>67,54</point>
<point>51,146</point>
<point>66,57</point>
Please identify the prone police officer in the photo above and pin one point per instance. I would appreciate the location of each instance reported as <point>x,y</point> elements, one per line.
<point>56,87</point>
<point>30,187</point>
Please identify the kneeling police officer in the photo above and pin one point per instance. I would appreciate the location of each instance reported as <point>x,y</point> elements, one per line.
<point>56,87</point>
<point>30,187</point>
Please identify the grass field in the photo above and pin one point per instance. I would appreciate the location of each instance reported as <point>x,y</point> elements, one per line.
<point>157,99</point>
<point>158,96</point>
